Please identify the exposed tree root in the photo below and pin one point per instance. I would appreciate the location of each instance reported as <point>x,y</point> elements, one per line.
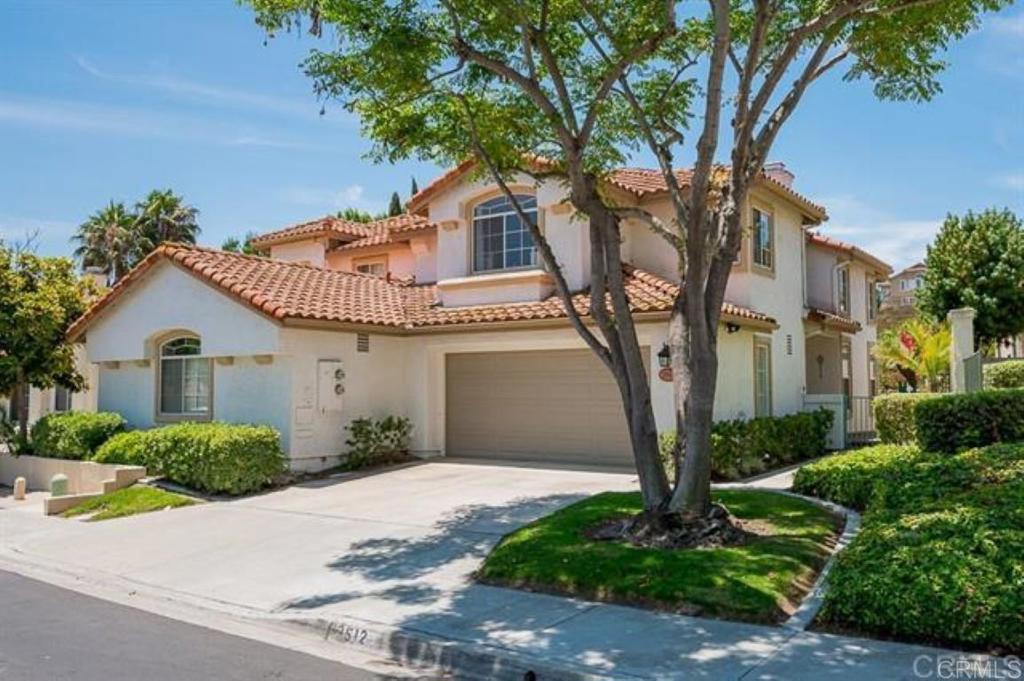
<point>670,531</point>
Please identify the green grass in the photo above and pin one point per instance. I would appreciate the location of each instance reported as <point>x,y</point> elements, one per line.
<point>759,581</point>
<point>128,501</point>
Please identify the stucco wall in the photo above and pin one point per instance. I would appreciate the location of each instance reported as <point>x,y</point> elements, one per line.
<point>401,262</point>
<point>311,252</point>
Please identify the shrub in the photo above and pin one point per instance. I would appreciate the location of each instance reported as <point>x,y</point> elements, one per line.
<point>894,416</point>
<point>947,572</point>
<point>1005,374</point>
<point>211,457</point>
<point>743,448</point>
<point>74,434</point>
<point>372,441</point>
<point>852,479</point>
<point>953,422</point>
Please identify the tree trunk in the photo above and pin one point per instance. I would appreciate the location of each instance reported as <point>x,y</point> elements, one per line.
<point>22,393</point>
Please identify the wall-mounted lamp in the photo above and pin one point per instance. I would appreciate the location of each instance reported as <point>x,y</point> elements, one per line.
<point>664,356</point>
<point>732,327</point>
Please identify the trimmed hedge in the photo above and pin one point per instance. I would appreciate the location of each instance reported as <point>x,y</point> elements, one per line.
<point>1005,374</point>
<point>951,423</point>
<point>852,479</point>
<point>74,434</point>
<point>894,416</point>
<point>741,448</point>
<point>211,457</point>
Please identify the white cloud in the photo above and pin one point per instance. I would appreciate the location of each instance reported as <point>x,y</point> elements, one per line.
<point>128,121</point>
<point>329,199</point>
<point>1014,181</point>
<point>898,241</point>
<point>212,94</point>
<point>1008,25</point>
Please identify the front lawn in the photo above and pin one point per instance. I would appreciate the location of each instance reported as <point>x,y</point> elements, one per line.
<point>128,501</point>
<point>761,581</point>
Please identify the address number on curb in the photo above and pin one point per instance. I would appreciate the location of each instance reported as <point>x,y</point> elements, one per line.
<point>350,634</point>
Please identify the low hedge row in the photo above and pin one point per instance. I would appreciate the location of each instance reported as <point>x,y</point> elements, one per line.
<point>938,558</point>
<point>215,457</point>
<point>1008,374</point>
<point>950,423</point>
<point>74,434</point>
<point>741,448</point>
<point>894,416</point>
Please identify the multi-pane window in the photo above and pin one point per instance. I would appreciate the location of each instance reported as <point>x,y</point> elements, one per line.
<point>843,290</point>
<point>500,239</point>
<point>762,378</point>
<point>763,240</point>
<point>184,378</point>
<point>377,267</point>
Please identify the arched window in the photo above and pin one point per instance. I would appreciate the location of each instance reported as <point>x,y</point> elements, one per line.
<point>500,239</point>
<point>185,378</point>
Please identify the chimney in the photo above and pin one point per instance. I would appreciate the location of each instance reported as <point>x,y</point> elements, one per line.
<point>96,275</point>
<point>780,173</point>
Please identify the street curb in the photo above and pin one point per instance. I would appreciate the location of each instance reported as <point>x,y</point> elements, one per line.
<point>463,660</point>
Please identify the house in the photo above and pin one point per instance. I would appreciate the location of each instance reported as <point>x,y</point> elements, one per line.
<point>444,315</point>
<point>899,295</point>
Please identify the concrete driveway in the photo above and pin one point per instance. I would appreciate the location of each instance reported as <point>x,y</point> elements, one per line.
<point>386,546</point>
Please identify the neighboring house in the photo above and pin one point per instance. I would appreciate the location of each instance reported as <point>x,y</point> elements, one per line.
<point>843,307</point>
<point>899,295</point>
<point>57,399</point>
<point>444,315</point>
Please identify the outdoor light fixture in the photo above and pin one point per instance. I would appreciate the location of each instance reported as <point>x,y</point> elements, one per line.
<point>732,328</point>
<point>664,356</point>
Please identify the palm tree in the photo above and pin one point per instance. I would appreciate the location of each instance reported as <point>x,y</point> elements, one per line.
<point>919,351</point>
<point>164,216</point>
<point>109,239</point>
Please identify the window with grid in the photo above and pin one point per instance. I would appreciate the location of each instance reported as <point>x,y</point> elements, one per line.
<point>377,268</point>
<point>500,239</point>
<point>762,378</point>
<point>185,378</point>
<point>763,240</point>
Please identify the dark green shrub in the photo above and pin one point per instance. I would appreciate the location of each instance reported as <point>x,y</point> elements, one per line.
<point>124,448</point>
<point>1005,374</point>
<point>852,479</point>
<point>74,434</point>
<point>948,572</point>
<point>741,448</point>
<point>211,457</point>
<point>894,416</point>
<point>953,422</point>
<point>372,441</point>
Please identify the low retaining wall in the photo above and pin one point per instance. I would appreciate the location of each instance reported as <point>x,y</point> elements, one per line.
<point>86,479</point>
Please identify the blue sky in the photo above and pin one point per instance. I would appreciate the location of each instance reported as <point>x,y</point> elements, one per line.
<point>107,99</point>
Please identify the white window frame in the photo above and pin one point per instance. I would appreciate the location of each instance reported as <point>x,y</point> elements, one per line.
<point>843,302</point>
<point>762,255</point>
<point>201,414</point>
<point>376,266</point>
<point>505,215</point>
<point>762,393</point>
<point>56,399</point>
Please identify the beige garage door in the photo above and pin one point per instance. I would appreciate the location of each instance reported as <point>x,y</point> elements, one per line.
<point>560,406</point>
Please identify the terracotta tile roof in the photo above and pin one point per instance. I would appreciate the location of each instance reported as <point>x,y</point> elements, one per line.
<point>291,291</point>
<point>421,198</point>
<point>833,320</point>
<point>390,230</point>
<point>327,226</point>
<point>849,249</point>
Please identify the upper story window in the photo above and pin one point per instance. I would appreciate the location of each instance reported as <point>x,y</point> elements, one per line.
<point>378,267</point>
<point>843,290</point>
<point>763,239</point>
<point>500,239</point>
<point>185,378</point>
<point>873,297</point>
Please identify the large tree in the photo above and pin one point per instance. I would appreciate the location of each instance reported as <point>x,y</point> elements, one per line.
<point>164,216</point>
<point>41,297</point>
<point>978,261</point>
<point>110,240</point>
<point>568,89</point>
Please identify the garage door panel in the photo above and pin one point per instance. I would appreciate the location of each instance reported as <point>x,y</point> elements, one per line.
<point>561,406</point>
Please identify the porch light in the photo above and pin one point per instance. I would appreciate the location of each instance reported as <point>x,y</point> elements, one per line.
<point>732,327</point>
<point>664,356</point>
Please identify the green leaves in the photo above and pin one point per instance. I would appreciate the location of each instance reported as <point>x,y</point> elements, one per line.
<point>978,261</point>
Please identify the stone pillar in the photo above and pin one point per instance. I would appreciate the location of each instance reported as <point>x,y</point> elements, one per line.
<point>961,326</point>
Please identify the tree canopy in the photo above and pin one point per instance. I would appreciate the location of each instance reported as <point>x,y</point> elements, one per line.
<point>977,261</point>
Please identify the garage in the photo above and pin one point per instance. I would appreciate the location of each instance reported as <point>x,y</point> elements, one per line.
<point>559,406</point>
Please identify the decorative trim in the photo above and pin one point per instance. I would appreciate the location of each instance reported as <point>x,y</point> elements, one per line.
<point>263,359</point>
<point>225,361</point>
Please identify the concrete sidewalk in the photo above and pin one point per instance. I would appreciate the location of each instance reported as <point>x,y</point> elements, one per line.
<point>383,564</point>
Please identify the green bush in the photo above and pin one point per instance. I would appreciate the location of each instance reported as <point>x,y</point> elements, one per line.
<point>211,457</point>
<point>852,479</point>
<point>741,448</point>
<point>950,423</point>
<point>948,572</point>
<point>894,416</point>
<point>74,434</point>
<point>1005,374</point>
<point>372,441</point>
